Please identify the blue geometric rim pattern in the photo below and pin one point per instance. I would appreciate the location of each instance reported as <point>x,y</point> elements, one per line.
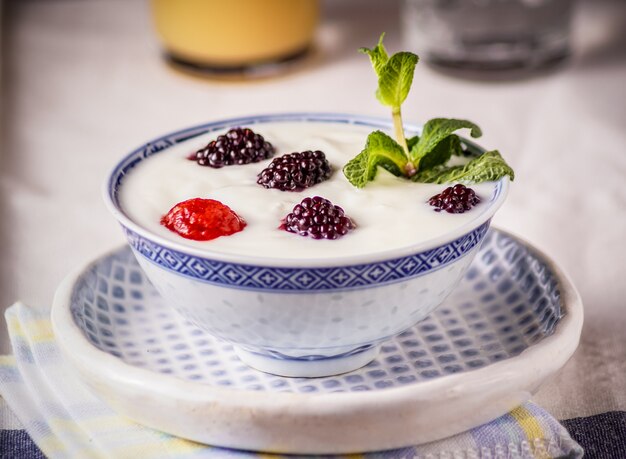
<point>264,278</point>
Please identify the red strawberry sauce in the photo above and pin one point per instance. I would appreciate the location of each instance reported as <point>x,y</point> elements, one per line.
<point>202,219</point>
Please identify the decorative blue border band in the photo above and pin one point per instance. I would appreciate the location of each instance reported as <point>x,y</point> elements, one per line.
<point>249,277</point>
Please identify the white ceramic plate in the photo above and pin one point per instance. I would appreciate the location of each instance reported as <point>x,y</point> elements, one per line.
<point>514,320</point>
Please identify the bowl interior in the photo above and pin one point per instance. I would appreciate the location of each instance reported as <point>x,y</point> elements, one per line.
<point>116,179</point>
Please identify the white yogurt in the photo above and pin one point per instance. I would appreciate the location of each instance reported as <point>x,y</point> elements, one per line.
<point>390,212</point>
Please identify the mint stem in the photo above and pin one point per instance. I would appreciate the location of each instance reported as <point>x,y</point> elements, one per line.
<point>399,129</point>
<point>409,169</point>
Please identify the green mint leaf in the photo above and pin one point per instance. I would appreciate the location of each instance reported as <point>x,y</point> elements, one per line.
<point>378,55</point>
<point>380,150</point>
<point>356,169</point>
<point>459,151</point>
<point>434,132</point>
<point>442,152</point>
<point>489,166</point>
<point>395,79</point>
<point>411,141</point>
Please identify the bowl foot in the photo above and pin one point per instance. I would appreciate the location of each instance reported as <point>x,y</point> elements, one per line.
<point>307,368</point>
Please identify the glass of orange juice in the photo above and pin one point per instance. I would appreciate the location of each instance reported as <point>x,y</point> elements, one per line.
<point>233,34</point>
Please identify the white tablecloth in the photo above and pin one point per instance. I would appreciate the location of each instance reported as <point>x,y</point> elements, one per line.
<point>84,83</point>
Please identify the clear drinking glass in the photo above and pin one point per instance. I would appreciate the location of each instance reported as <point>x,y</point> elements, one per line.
<point>488,34</point>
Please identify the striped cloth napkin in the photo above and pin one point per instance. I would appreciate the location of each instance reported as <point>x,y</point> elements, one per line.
<point>66,420</point>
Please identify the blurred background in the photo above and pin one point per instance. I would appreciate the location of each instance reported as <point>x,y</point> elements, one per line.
<point>85,81</point>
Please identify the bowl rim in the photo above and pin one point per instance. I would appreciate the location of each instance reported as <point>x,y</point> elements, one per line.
<point>109,185</point>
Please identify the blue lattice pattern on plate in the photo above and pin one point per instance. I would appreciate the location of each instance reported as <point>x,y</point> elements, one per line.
<point>508,300</point>
<point>305,279</point>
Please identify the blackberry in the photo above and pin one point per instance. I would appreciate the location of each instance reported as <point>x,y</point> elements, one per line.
<point>237,146</point>
<point>295,171</point>
<point>317,218</point>
<point>454,199</point>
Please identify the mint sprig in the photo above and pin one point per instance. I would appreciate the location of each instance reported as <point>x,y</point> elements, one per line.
<point>421,158</point>
<point>395,76</point>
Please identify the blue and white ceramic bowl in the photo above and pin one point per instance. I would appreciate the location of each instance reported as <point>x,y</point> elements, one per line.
<point>299,317</point>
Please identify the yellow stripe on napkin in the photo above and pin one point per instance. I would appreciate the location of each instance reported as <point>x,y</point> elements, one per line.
<point>38,330</point>
<point>531,427</point>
